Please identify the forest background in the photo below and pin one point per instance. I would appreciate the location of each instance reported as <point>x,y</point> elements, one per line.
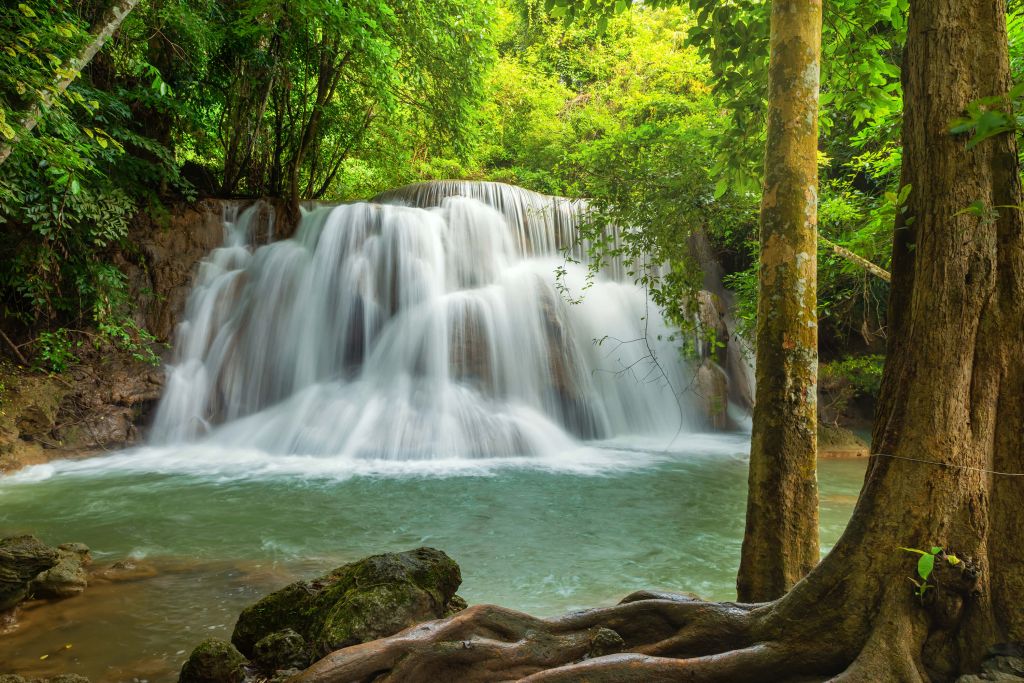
<point>653,113</point>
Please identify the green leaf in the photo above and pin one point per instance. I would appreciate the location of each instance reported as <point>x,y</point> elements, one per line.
<point>936,549</point>
<point>976,208</point>
<point>26,10</point>
<point>925,565</point>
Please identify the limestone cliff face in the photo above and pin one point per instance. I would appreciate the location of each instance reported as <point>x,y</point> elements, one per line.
<point>165,256</point>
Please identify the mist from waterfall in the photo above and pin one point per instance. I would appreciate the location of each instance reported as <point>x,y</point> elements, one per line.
<point>426,325</point>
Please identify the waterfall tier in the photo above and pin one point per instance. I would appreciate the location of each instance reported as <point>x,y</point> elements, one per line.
<point>425,325</point>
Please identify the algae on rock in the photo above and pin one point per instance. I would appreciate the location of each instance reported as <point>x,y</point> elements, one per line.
<point>355,603</point>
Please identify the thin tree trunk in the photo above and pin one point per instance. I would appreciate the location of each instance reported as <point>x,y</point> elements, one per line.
<point>843,252</point>
<point>105,28</point>
<point>781,541</point>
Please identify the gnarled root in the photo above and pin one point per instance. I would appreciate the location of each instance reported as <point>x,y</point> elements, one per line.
<point>815,633</point>
<point>667,637</point>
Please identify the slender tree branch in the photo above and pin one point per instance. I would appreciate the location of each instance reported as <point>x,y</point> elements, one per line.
<point>106,27</point>
<point>877,271</point>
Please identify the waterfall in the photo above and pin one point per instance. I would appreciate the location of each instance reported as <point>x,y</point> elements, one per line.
<point>424,325</point>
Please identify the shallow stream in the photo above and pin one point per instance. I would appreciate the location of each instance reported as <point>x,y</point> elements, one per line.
<point>221,529</point>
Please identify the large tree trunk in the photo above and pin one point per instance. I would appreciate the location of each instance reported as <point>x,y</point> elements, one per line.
<point>781,541</point>
<point>950,417</point>
<point>100,33</point>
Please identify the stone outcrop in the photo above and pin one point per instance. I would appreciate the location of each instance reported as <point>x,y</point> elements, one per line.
<point>68,577</point>
<point>31,569</point>
<point>22,559</point>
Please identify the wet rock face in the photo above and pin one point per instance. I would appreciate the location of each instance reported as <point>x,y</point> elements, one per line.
<point>358,602</point>
<point>713,324</point>
<point>22,559</point>
<point>162,268</point>
<point>712,386</point>
<point>214,661</point>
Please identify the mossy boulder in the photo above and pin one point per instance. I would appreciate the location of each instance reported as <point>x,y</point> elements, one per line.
<point>22,558</point>
<point>214,661</point>
<point>356,603</point>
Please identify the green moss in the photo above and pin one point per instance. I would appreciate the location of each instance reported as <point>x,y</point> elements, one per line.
<point>214,661</point>
<point>355,603</point>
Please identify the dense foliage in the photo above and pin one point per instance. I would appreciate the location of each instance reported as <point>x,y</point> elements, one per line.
<point>654,111</point>
<point>301,99</point>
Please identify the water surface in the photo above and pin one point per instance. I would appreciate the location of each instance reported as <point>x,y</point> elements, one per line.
<point>223,528</point>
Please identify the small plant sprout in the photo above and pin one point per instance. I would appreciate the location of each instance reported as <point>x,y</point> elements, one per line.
<point>926,565</point>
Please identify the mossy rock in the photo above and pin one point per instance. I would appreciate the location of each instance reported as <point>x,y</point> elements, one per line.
<point>356,603</point>
<point>214,661</point>
<point>281,650</point>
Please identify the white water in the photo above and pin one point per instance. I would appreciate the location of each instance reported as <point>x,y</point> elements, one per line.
<point>388,332</point>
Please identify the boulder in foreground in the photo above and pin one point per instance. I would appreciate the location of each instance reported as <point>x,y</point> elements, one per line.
<point>358,602</point>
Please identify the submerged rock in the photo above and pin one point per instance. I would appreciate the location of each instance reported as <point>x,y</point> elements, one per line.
<point>358,602</point>
<point>68,577</point>
<point>214,661</point>
<point>127,570</point>
<point>22,558</point>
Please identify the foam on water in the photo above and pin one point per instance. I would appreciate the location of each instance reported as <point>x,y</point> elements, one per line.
<point>212,461</point>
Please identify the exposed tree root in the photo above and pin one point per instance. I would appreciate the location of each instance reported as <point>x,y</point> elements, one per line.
<point>817,632</point>
<point>648,637</point>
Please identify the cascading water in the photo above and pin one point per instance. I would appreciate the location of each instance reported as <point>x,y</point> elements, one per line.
<point>398,374</point>
<point>426,326</point>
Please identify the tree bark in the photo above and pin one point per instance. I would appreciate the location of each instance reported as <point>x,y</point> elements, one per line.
<point>781,541</point>
<point>105,28</point>
<point>948,444</point>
